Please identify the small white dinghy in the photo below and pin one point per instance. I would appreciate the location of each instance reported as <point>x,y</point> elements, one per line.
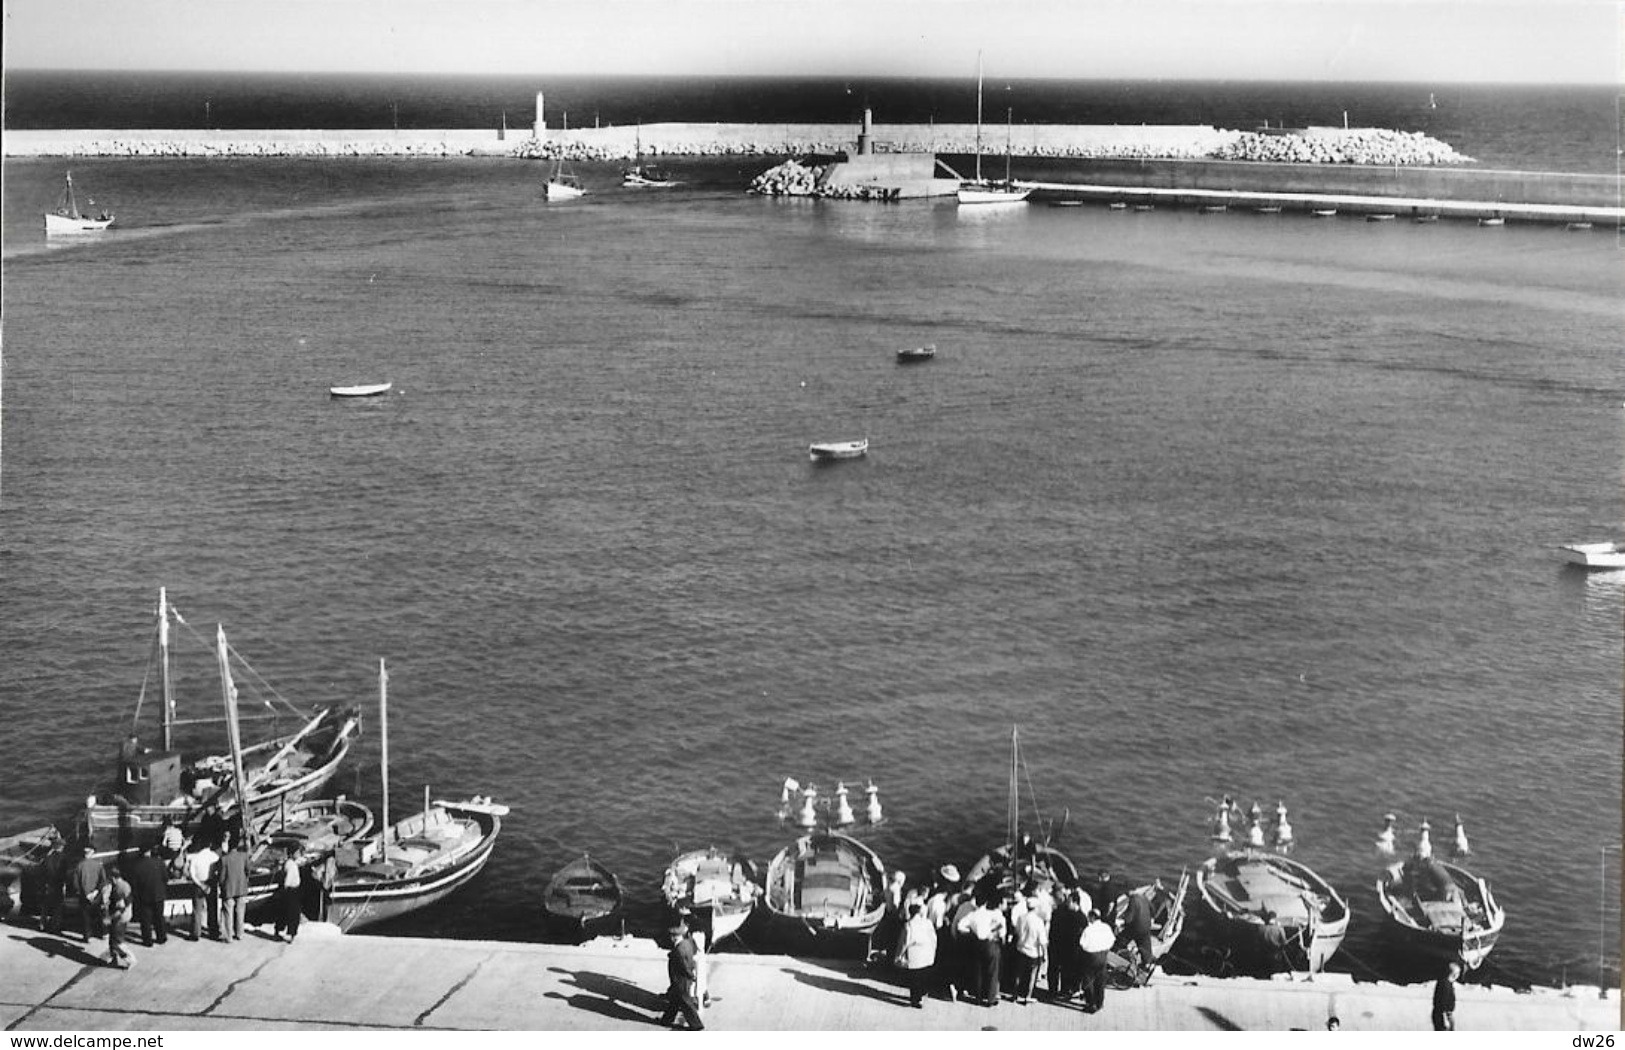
<point>823,451</point>
<point>365,390</point>
<point>1608,555</point>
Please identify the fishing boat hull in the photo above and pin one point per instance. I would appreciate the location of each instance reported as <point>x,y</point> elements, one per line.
<point>827,883</point>
<point>916,355</point>
<point>1040,864</point>
<point>582,898</point>
<point>1595,555</point>
<point>366,390</point>
<point>1463,927</point>
<point>830,451</point>
<point>562,191</point>
<point>366,892</point>
<point>992,193</point>
<point>647,179</point>
<point>718,888</point>
<point>1240,889</point>
<point>1167,908</point>
<point>20,857</point>
<point>70,225</point>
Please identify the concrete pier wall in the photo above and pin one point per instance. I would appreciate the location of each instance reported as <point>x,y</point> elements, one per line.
<point>1509,187</point>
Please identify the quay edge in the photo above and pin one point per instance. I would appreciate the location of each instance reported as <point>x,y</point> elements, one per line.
<point>331,981</point>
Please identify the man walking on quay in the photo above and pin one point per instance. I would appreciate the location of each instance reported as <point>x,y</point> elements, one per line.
<point>1444,999</point>
<point>86,882</point>
<point>682,972</point>
<point>149,891</point>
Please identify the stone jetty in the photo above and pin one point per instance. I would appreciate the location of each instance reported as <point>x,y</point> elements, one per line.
<point>330,981</point>
<point>1311,145</point>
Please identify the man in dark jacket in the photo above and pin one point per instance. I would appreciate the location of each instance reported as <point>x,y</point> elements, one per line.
<point>149,890</point>
<point>85,882</point>
<point>682,972</point>
<point>1444,1000</point>
<point>53,872</point>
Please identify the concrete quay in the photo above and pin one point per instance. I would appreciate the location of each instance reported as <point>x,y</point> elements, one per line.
<point>328,981</point>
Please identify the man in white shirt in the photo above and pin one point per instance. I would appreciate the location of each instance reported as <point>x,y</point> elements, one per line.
<point>200,876</point>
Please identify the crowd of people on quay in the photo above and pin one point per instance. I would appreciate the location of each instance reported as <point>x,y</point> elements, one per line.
<point>1006,943</point>
<point>211,869</point>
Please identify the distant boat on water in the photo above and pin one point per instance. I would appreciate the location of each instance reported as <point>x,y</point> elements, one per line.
<point>1606,555</point>
<point>916,354</point>
<point>823,451</point>
<point>68,219</point>
<point>364,390</point>
<point>642,174</point>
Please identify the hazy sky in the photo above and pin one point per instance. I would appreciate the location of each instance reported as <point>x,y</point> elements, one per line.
<point>1556,41</point>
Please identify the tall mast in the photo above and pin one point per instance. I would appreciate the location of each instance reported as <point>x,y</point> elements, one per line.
<point>978,116</point>
<point>229,693</point>
<point>163,669</point>
<point>1007,122</point>
<point>383,734</point>
<point>1012,814</point>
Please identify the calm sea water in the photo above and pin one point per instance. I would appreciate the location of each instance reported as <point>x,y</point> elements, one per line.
<point>1203,503</point>
<point>1540,128</point>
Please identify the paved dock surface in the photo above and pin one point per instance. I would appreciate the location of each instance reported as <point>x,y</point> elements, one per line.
<point>331,981</point>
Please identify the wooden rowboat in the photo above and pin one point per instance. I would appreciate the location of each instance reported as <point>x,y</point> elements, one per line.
<point>583,895</point>
<point>827,882</point>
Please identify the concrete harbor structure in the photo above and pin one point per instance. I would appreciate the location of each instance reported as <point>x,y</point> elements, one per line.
<point>1168,164</point>
<point>331,981</point>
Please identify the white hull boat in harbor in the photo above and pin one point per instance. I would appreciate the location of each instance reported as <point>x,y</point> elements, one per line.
<point>987,191</point>
<point>715,885</point>
<point>364,390</point>
<point>1610,555</point>
<point>828,451</point>
<point>67,219</point>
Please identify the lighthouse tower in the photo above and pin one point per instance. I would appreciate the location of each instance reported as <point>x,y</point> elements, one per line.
<point>539,131</point>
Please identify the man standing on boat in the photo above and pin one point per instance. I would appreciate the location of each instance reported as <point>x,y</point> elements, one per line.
<point>682,972</point>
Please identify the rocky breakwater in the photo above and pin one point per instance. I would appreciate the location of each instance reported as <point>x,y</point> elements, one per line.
<point>794,179</point>
<point>1377,146</point>
<point>229,143</point>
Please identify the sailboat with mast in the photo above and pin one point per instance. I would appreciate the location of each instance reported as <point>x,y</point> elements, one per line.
<point>415,861</point>
<point>68,219</point>
<point>984,191</point>
<point>1022,859</point>
<point>644,174</point>
<point>166,784</point>
<point>562,183</point>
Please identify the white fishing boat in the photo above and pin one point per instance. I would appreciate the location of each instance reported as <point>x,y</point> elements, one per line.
<point>717,886</point>
<point>825,451</point>
<point>644,174</point>
<point>562,183</point>
<point>364,390</point>
<point>415,861</point>
<point>67,219</point>
<point>827,881</point>
<point>985,191</point>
